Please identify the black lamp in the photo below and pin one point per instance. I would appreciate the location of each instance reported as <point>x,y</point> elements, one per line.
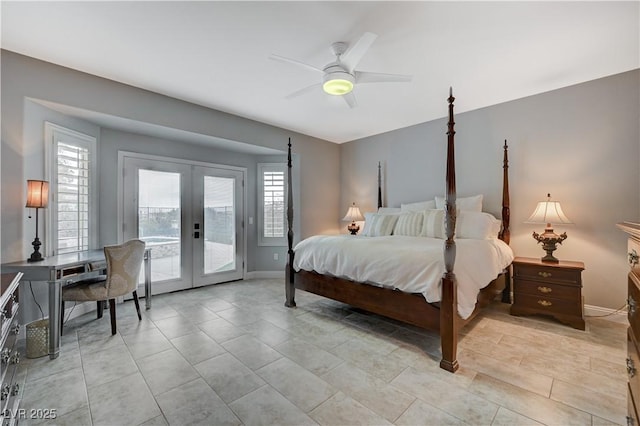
<point>37,198</point>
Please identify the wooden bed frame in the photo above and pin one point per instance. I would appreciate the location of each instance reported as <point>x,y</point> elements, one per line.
<point>408,307</point>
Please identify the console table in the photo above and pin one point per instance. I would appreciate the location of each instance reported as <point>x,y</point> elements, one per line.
<point>66,269</point>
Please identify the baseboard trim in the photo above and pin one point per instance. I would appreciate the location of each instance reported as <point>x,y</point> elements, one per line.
<point>264,274</point>
<point>615,315</point>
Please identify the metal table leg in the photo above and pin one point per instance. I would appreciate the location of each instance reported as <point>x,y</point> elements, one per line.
<point>55,299</point>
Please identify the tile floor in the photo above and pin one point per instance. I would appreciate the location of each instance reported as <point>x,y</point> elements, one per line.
<point>233,354</point>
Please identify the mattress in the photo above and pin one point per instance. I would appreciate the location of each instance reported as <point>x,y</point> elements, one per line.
<point>409,264</point>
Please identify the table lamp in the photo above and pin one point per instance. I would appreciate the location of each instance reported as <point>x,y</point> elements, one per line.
<point>353,214</point>
<point>37,198</point>
<point>549,212</point>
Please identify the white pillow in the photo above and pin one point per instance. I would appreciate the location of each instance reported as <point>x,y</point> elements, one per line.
<point>477,225</point>
<point>389,210</point>
<point>433,226</point>
<point>473,204</point>
<point>378,225</point>
<point>418,207</point>
<point>409,224</point>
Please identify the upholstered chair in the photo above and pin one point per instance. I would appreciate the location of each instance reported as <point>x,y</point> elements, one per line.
<point>123,268</point>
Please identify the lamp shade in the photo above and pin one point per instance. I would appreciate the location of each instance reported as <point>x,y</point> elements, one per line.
<point>548,212</point>
<point>37,193</point>
<point>353,214</point>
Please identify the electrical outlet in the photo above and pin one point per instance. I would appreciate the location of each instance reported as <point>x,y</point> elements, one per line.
<point>275,256</point>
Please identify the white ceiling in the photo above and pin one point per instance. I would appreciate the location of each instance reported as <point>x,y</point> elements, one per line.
<point>216,54</point>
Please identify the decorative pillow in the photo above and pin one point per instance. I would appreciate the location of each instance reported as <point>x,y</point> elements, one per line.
<point>473,204</point>
<point>418,207</point>
<point>433,226</point>
<point>389,210</point>
<point>409,224</point>
<point>378,225</point>
<point>477,225</point>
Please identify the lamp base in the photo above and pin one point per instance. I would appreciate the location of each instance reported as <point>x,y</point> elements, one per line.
<point>550,258</point>
<point>353,228</point>
<point>36,256</point>
<point>549,241</point>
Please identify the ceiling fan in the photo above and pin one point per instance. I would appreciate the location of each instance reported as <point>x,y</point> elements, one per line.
<point>340,76</point>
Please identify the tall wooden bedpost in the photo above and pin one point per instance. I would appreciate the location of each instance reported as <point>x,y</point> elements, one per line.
<point>290,289</point>
<point>449,300</point>
<point>379,184</point>
<point>505,231</point>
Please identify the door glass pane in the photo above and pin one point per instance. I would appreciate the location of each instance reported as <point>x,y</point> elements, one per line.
<point>159,221</point>
<point>219,225</point>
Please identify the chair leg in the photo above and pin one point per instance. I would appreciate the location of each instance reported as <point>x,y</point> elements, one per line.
<point>100,308</point>
<point>112,312</point>
<point>61,316</point>
<point>135,299</point>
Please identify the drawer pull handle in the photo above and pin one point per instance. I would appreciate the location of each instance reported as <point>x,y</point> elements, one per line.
<point>542,289</point>
<point>633,257</point>
<point>631,368</point>
<point>4,393</point>
<point>544,303</point>
<point>632,305</point>
<point>630,421</point>
<point>544,274</point>
<point>5,356</point>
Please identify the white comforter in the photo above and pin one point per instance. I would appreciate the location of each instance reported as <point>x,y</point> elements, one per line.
<point>410,264</point>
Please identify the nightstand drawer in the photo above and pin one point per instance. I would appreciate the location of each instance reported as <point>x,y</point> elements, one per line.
<point>547,305</point>
<point>547,274</point>
<point>543,289</point>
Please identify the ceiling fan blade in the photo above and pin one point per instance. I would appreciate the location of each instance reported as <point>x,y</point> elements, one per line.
<point>352,56</point>
<point>294,62</point>
<point>303,91</point>
<point>376,77</point>
<point>350,99</point>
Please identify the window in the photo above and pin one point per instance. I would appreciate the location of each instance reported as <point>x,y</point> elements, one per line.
<point>72,184</point>
<point>272,205</point>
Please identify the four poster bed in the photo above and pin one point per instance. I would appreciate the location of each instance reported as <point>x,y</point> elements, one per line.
<point>411,304</point>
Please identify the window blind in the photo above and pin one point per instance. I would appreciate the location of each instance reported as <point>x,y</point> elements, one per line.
<point>72,173</point>
<point>274,205</point>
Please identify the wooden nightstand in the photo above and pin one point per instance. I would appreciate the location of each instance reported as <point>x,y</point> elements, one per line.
<point>553,289</point>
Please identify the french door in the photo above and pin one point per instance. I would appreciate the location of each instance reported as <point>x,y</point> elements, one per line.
<point>190,215</point>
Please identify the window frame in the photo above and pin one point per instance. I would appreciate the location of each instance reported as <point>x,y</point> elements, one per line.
<point>54,133</point>
<point>262,239</point>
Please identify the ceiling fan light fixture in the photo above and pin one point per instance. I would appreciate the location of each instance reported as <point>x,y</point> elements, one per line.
<point>338,83</point>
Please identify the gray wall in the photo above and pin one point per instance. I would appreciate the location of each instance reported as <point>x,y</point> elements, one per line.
<point>580,143</point>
